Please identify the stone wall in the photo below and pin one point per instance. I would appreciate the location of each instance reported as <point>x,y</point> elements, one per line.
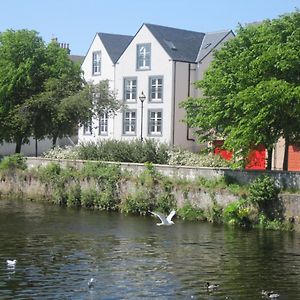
<point>287,180</point>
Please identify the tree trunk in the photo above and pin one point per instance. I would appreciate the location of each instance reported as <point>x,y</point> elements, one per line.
<point>18,145</point>
<point>54,139</point>
<point>286,155</point>
<point>36,147</point>
<point>269,160</point>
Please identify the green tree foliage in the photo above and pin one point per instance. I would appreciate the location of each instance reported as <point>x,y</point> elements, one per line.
<point>251,90</point>
<point>55,107</point>
<point>42,92</point>
<point>22,75</point>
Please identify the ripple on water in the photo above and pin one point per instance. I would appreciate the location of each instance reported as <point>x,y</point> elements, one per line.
<point>58,251</point>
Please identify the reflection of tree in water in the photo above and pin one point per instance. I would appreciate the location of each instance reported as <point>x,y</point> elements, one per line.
<point>260,260</point>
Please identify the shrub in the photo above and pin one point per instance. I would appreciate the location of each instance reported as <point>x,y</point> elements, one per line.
<point>187,158</point>
<point>106,199</point>
<point>88,197</point>
<point>137,203</point>
<point>190,213</point>
<point>263,190</point>
<point>62,153</point>
<point>13,162</point>
<point>125,151</point>
<point>74,196</point>
<point>238,213</point>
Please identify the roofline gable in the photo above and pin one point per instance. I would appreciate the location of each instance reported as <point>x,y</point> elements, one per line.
<point>213,48</point>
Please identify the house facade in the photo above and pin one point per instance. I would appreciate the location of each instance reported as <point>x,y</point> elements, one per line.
<point>151,73</point>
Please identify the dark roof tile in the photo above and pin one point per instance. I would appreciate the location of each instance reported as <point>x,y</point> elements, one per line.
<point>115,44</point>
<point>180,44</point>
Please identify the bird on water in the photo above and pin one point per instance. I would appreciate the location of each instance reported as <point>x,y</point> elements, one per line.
<point>165,220</point>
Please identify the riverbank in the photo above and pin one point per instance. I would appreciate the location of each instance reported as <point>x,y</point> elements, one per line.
<point>111,186</point>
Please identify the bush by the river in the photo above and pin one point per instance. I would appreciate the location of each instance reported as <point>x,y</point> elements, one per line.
<point>13,162</point>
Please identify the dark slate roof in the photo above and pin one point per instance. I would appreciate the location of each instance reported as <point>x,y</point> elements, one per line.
<point>115,44</point>
<point>77,58</point>
<point>181,45</point>
<point>210,41</point>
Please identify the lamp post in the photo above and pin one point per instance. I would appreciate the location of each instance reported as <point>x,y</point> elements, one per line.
<point>142,98</point>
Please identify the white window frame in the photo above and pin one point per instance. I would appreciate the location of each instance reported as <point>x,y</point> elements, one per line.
<point>87,128</point>
<point>129,122</point>
<point>103,124</point>
<point>96,63</point>
<point>155,122</point>
<point>130,89</point>
<point>143,56</point>
<point>156,88</point>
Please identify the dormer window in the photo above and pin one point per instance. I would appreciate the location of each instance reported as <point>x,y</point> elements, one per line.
<point>143,56</point>
<point>96,63</point>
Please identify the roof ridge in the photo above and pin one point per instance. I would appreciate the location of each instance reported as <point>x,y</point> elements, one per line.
<point>218,31</point>
<point>169,27</point>
<point>115,34</point>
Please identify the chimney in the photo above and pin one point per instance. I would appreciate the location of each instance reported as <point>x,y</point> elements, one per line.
<point>65,46</point>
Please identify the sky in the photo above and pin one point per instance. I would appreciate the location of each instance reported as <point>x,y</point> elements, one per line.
<point>77,21</point>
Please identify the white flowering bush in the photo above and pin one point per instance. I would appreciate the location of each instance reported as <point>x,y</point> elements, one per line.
<point>186,158</point>
<point>67,152</point>
<point>176,156</point>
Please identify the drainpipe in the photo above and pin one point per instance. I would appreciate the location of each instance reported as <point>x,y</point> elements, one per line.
<point>189,94</point>
<point>174,102</point>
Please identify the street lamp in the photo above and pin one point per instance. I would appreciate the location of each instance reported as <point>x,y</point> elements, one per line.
<point>142,98</point>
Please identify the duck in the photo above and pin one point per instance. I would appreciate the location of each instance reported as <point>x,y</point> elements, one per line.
<point>91,283</point>
<point>273,295</point>
<point>270,294</point>
<point>211,287</point>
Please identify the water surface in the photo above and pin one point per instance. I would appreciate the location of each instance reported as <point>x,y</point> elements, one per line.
<point>59,250</point>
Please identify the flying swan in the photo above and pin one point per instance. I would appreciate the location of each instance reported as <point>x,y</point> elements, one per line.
<point>166,221</point>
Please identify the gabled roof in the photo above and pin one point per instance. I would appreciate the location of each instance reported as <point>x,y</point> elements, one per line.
<point>181,45</point>
<point>210,41</point>
<point>115,44</point>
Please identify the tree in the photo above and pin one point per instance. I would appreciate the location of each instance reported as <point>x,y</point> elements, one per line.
<point>63,81</point>
<point>36,86</point>
<point>22,75</point>
<point>251,92</point>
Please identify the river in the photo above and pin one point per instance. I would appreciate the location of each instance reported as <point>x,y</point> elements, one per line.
<point>59,250</point>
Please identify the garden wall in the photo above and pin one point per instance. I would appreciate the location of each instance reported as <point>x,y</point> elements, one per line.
<point>286,180</point>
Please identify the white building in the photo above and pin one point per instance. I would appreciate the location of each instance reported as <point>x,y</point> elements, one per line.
<point>159,62</point>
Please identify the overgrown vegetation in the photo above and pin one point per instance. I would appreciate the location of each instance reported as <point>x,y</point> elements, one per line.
<point>13,162</point>
<point>103,186</point>
<point>137,151</point>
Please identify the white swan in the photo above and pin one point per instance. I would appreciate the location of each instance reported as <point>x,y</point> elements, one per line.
<point>11,263</point>
<point>166,221</point>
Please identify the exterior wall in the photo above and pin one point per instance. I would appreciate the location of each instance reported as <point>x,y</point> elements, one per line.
<point>278,155</point>
<point>185,76</point>
<point>107,73</point>
<point>107,66</point>
<point>198,75</point>
<point>30,148</point>
<point>160,66</point>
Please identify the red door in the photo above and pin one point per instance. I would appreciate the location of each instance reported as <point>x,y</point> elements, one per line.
<point>257,158</point>
<point>294,158</point>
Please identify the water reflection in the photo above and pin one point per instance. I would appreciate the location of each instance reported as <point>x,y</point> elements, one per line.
<point>59,250</point>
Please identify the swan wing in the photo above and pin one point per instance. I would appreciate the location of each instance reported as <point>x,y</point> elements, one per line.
<point>160,215</point>
<point>171,215</point>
